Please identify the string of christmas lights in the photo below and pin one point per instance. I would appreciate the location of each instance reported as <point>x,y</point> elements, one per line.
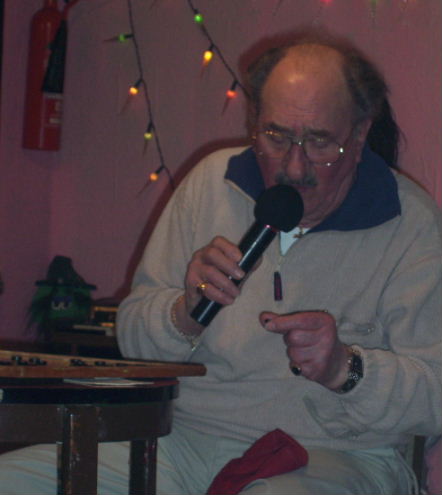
<point>151,132</point>
<point>214,48</point>
<point>141,85</point>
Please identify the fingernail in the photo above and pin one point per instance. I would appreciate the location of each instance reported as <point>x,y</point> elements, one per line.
<point>269,325</point>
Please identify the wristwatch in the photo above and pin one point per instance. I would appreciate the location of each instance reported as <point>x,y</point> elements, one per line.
<point>355,371</point>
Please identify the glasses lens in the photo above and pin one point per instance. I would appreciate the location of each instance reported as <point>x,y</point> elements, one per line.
<point>275,144</point>
<point>322,151</point>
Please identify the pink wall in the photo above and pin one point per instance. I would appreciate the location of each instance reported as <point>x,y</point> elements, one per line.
<point>84,201</point>
<point>25,184</point>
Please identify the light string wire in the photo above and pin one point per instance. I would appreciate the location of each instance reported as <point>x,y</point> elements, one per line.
<point>216,49</point>
<point>151,124</point>
<point>151,127</point>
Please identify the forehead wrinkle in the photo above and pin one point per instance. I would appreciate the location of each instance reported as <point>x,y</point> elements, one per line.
<point>307,77</point>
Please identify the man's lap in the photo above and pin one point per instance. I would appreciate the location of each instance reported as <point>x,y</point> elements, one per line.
<point>188,461</point>
<point>375,472</point>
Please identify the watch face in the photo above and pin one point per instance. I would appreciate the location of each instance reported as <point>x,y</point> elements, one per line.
<point>355,372</point>
<point>353,375</point>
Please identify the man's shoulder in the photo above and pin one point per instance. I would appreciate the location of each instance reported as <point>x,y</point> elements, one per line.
<point>207,175</point>
<point>415,201</point>
<point>219,159</point>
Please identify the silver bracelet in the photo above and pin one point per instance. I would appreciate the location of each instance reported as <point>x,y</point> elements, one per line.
<point>192,340</point>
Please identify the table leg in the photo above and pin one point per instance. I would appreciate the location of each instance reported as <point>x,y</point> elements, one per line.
<point>143,459</point>
<point>77,470</point>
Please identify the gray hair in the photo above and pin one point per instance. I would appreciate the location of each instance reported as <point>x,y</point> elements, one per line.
<point>365,84</point>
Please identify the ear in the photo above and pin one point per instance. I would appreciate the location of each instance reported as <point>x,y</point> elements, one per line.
<point>361,133</point>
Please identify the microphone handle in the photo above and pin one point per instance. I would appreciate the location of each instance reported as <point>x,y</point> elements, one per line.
<point>252,245</point>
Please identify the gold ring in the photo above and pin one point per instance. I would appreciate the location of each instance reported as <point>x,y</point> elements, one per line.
<point>200,288</point>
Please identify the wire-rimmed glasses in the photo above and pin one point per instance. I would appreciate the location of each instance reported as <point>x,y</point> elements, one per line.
<point>320,150</point>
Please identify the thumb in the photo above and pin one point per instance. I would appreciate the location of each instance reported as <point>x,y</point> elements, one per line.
<point>266,317</point>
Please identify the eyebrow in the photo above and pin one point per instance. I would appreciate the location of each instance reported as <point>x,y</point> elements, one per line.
<point>272,126</point>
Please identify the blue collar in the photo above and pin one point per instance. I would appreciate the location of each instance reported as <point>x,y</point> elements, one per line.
<point>372,200</point>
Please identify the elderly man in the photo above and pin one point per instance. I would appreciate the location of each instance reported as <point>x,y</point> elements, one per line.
<point>345,359</point>
<point>333,337</point>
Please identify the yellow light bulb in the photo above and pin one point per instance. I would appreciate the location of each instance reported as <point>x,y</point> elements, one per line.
<point>153,176</point>
<point>208,55</point>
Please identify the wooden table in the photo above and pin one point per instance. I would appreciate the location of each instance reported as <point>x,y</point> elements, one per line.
<point>55,403</point>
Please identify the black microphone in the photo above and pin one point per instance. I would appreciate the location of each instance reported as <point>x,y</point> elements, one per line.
<point>278,208</point>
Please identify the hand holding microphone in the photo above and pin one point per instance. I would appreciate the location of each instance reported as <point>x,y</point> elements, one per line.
<point>221,265</point>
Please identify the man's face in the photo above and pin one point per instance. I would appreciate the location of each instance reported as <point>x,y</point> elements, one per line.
<point>305,96</point>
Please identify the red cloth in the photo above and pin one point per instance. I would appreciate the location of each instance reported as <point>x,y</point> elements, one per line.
<point>274,453</point>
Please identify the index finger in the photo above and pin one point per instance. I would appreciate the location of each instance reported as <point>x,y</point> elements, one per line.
<point>225,256</point>
<point>229,249</point>
<point>298,320</point>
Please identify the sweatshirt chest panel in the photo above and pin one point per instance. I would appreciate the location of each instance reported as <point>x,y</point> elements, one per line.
<point>320,271</point>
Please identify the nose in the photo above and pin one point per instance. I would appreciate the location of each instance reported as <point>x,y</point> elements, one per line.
<point>295,163</point>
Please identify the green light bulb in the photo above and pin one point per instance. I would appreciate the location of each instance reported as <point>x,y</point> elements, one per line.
<point>198,18</point>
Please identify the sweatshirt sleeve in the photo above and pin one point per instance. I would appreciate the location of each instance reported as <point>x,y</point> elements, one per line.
<point>144,327</point>
<point>400,391</point>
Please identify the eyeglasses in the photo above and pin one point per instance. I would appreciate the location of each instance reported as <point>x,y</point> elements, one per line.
<point>319,150</point>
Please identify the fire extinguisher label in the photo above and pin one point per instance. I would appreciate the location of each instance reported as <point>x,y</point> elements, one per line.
<point>52,109</point>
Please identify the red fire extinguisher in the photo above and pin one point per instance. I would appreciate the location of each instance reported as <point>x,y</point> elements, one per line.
<point>43,108</point>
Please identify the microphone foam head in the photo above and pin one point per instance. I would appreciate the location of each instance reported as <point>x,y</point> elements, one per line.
<point>280,206</point>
